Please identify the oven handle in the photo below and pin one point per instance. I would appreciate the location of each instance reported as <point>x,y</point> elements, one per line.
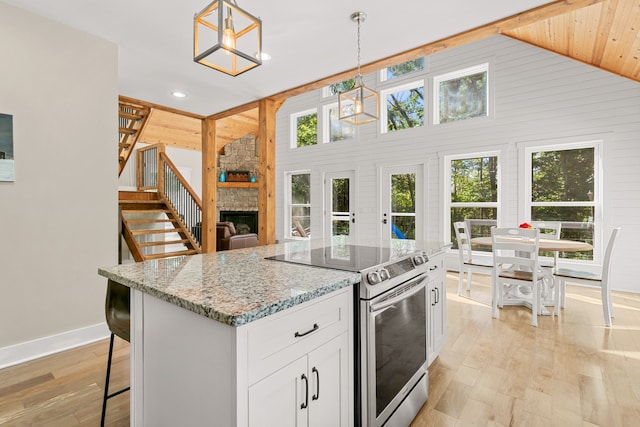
<point>410,290</point>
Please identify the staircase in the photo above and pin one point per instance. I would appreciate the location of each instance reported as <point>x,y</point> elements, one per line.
<point>152,229</point>
<point>131,119</point>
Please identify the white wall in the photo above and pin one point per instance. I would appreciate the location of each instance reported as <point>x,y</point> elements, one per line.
<point>59,217</point>
<point>536,96</point>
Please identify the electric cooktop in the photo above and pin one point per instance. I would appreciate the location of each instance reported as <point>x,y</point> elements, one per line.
<point>344,257</point>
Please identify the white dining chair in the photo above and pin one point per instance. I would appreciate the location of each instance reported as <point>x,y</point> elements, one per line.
<point>515,264</point>
<point>601,280</point>
<point>549,230</point>
<point>468,263</point>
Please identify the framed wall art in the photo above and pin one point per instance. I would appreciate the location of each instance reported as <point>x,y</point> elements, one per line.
<point>7,169</point>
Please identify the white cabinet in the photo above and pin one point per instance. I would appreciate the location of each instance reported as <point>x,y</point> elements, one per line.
<point>309,391</point>
<point>190,370</point>
<point>436,308</point>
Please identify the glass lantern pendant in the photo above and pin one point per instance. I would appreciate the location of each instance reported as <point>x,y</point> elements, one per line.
<point>360,104</point>
<point>227,38</point>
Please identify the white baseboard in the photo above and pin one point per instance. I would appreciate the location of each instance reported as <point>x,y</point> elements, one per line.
<point>23,352</point>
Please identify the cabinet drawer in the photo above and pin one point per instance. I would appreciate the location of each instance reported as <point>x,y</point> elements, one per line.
<point>283,337</point>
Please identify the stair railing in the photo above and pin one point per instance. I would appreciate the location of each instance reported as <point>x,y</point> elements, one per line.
<point>156,171</point>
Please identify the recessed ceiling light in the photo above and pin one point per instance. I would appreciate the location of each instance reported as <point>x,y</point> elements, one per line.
<point>264,56</point>
<point>179,94</point>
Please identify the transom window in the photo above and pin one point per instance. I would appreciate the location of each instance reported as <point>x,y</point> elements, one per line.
<point>461,95</point>
<point>335,129</point>
<point>402,107</point>
<point>304,128</point>
<point>337,88</point>
<point>403,69</point>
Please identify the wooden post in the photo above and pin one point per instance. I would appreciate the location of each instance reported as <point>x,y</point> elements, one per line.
<point>266,171</point>
<point>209,185</point>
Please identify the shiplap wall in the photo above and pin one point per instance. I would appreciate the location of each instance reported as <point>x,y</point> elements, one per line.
<point>535,97</point>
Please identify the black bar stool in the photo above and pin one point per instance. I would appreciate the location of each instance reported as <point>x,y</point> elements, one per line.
<point>117,312</point>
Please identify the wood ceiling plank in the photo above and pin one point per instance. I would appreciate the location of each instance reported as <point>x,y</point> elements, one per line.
<point>173,129</point>
<point>623,34</point>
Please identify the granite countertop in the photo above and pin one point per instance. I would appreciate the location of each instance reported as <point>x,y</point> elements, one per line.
<point>236,287</point>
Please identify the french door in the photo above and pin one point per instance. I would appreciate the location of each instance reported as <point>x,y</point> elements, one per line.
<point>402,215</point>
<point>340,220</point>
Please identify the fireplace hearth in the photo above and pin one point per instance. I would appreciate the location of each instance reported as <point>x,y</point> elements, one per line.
<point>244,221</point>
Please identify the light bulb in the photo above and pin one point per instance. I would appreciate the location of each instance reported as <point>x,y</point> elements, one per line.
<point>229,35</point>
<point>358,105</point>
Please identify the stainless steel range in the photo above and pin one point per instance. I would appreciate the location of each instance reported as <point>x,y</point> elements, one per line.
<point>391,329</point>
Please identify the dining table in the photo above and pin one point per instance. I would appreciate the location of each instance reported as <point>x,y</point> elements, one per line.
<point>521,295</point>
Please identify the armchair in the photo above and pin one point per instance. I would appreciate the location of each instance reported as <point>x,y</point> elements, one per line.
<point>227,238</point>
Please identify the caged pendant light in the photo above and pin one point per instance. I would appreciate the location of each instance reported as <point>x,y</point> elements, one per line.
<point>360,104</point>
<point>227,38</point>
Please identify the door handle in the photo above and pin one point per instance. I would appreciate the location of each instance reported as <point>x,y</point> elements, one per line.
<point>384,221</point>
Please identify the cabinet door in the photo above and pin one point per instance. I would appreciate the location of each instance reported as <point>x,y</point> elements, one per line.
<point>437,311</point>
<point>329,384</point>
<point>276,400</point>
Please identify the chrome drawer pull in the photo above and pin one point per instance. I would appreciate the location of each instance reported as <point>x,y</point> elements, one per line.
<point>315,328</point>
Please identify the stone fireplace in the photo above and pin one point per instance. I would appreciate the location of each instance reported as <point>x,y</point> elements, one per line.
<point>239,155</point>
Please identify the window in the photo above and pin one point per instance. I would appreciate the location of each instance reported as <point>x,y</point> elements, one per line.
<point>298,220</point>
<point>403,69</point>
<point>562,185</point>
<point>402,107</point>
<point>339,87</point>
<point>304,128</point>
<point>335,129</point>
<point>461,95</point>
<point>473,193</point>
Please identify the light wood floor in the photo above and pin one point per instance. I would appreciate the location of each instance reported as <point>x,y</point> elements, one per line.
<point>570,371</point>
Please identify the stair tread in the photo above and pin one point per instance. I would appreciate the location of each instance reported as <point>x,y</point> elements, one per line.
<point>128,131</point>
<point>163,243</point>
<point>158,231</point>
<point>150,221</point>
<point>171,254</point>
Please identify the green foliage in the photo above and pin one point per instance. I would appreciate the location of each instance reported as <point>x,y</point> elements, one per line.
<point>562,176</point>
<point>405,109</point>
<point>307,131</point>
<point>403,193</point>
<point>342,86</point>
<point>463,98</point>
<point>474,180</point>
<point>300,189</point>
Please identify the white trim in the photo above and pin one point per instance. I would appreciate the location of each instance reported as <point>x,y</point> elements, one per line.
<point>30,350</point>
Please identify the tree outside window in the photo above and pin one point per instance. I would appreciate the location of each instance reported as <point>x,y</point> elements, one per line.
<point>334,128</point>
<point>403,69</point>
<point>304,127</point>
<point>403,107</point>
<point>340,87</point>
<point>474,194</point>
<point>300,205</point>
<point>563,188</point>
<point>461,95</point>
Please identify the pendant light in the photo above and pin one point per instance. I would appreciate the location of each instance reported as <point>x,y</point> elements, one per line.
<point>360,104</point>
<point>227,38</point>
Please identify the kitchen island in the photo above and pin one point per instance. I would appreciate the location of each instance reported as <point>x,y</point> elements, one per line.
<point>213,339</point>
<point>234,339</point>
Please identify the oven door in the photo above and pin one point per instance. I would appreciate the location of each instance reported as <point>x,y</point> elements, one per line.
<point>396,353</point>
